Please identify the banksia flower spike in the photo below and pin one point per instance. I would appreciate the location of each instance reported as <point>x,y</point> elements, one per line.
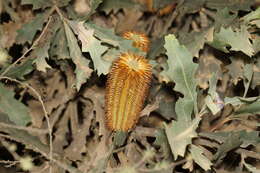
<point>141,41</point>
<point>127,87</point>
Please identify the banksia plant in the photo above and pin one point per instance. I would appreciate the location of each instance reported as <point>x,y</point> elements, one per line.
<point>126,90</point>
<point>140,40</point>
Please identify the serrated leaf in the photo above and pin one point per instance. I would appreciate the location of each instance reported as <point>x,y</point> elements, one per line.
<point>82,71</point>
<point>94,5</point>
<point>181,132</point>
<point>199,158</point>
<point>59,46</point>
<point>16,111</point>
<point>238,40</point>
<point>224,18</point>
<point>231,142</point>
<point>92,45</point>
<point>161,140</point>
<point>28,30</point>
<point>181,68</point>
<point>236,69</point>
<point>195,41</point>
<point>41,50</point>
<point>23,136</point>
<point>20,70</point>
<point>32,142</point>
<point>247,138</point>
<point>253,15</point>
<point>108,36</point>
<point>37,4</point>
<point>41,63</point>
<point>41,53</point>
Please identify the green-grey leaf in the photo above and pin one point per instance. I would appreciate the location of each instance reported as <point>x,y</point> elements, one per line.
<point>253,15</point>
<point>82,71</point>
<point>28,30</point>
<point>195,41</point>
<point>232,5</point>
<point>181,68</point>
<point>161,140</point>
<point>94,5</point>
<point>181,132</point>
<point>20,70</point>
<point>41,53</point>
<point>239,40</point>
<point>253,108</point>
<point>108,36</point>
<point>37,4</point>
<point>59,46</point>
<point>180,135</point>
<point>231,142</point>
<point>235,101</point>
<point>223,18</point>
<point>119,138</point>
<point>199,158</point>
<point>16,111</point>
<point>248,138</point>
<point>156,48</point>
<point>92,45</point>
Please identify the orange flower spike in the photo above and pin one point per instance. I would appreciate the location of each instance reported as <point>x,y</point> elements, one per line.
<point>126,90</point>
<point>141,41</point>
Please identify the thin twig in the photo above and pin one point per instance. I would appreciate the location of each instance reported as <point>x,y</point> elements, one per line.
<point>59,12</point>
<point>44,110</point>
<point>31,48</point>
<point>58,162</point>
<point>9,163</point>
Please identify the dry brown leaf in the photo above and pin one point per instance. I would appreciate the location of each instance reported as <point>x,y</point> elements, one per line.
<point>9,34</point>
<point>236,69</point>
<point>97,96</point>
<point>129,20</point>
<point>208,65</point>
<point>79,131</point>
<point>53,90</point>
<point>37,113</point>
<point>60,140</point>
